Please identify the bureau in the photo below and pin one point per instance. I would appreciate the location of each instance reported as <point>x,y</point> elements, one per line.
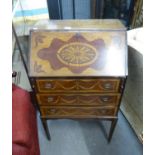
<point>78,69</point>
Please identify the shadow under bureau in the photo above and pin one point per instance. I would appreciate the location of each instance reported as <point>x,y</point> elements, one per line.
<point>78,69</point>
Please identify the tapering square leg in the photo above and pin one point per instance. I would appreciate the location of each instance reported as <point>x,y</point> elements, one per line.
<point>112,128</point>
<point>45,126</point>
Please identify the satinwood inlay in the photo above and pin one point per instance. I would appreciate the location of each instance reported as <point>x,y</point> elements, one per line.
<point>77,54</point>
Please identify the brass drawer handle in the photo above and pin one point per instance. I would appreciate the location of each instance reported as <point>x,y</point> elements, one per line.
<point>51,110</point>
<point>107,86</point>
<point>103,111</point>
<point>50,99</point>
<point>105,99</point>
<point>48,85</point>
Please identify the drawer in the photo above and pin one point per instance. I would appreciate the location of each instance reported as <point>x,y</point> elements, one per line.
<point>76,85</point>
<point>76,112</point>
<point>79,99</point>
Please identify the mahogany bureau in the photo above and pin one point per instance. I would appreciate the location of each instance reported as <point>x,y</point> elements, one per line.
<point>78,69</point>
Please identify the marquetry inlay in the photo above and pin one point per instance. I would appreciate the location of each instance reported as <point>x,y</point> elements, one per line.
<point>78,69</point>
<point>77,54</point>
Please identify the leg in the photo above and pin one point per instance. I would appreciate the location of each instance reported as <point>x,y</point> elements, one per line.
<point>44,122</point>
<point>113,124</point>
<point>33,99</point>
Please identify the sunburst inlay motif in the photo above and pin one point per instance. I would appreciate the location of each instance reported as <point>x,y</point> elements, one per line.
<point>77,54</point>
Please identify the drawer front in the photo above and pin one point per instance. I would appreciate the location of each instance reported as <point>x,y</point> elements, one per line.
<point>82,85</point>
<point>76,112</point>
<point>78,99</point>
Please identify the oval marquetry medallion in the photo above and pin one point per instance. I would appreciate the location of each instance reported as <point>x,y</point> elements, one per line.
<point>77,54</point>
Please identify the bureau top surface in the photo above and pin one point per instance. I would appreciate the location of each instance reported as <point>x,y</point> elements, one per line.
<point>95,24</point>
<point>91,48</point>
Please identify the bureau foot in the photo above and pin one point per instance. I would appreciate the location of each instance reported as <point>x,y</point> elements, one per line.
<point>45,126</point>
<point>113,124</point>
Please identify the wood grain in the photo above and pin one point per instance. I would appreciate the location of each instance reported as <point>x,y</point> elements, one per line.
<point>70,53</point>
<point>78,85</point>
<point>78,99</point>
<point>76,112</point>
